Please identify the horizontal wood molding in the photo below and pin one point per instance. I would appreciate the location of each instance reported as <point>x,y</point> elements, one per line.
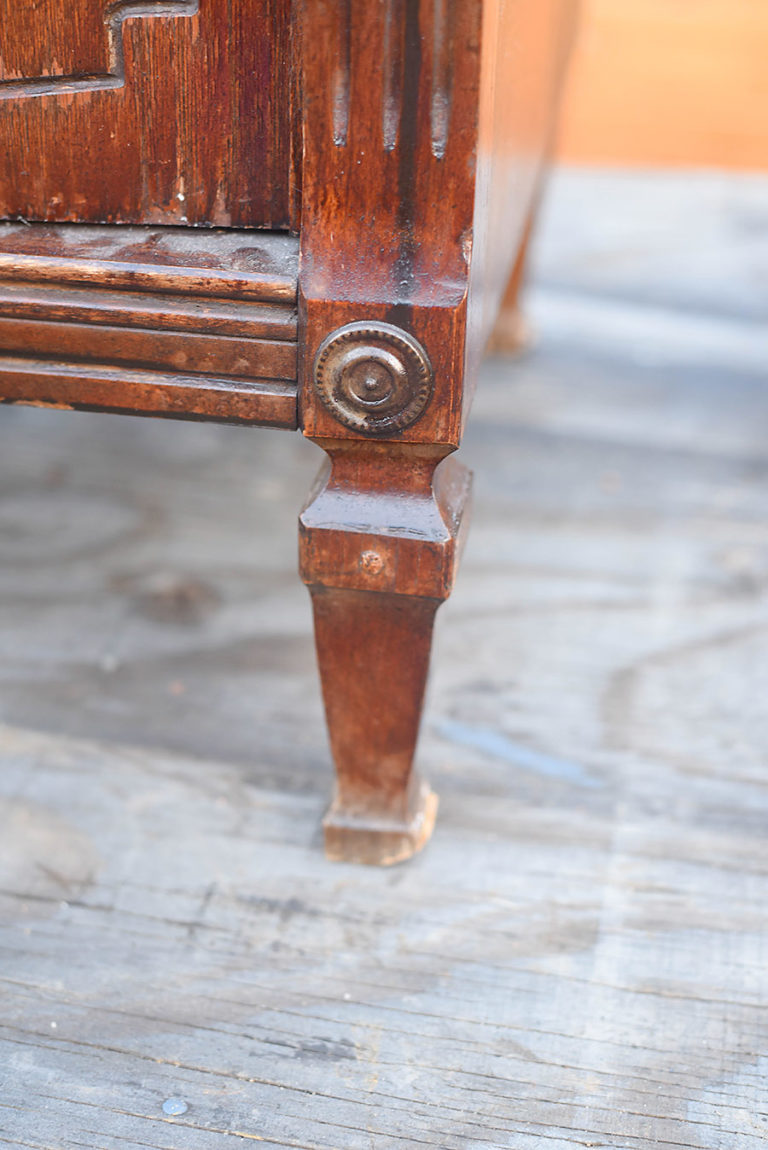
<point>162,311</point>
<point>95,387</point>
<point>157,321</point>
<point>179,351</point>
<point>212,262</point>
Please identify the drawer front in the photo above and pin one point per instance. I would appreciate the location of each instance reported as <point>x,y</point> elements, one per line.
<point>146,111</point>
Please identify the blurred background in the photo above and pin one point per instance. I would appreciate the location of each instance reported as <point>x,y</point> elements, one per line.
<point>667,83</point>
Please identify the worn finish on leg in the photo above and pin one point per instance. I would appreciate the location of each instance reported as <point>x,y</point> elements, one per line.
<point>380,540</point>
<point>373,654</point>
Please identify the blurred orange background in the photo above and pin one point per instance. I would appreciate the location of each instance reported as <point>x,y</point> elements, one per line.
<point>669,82</point>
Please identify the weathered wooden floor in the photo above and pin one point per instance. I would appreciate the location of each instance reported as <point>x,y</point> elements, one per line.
<point>580,957</point>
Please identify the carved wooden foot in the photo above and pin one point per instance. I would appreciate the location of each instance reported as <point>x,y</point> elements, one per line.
<point>380,540</point>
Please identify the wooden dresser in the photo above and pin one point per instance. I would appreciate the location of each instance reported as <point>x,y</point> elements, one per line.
<point>302,214</point>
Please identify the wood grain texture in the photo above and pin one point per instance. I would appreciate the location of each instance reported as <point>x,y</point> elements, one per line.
<point>580,955</point>
<point>373,653</point>
<point>204,354</point>
<point>139,391</point>
<point>166,111</point>
<point>220,263</point>
<point>379,545</point>
<point>406,504</point>
<point>390,146</point>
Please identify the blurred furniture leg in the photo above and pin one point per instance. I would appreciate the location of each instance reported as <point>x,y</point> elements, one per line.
<point>511,334</point>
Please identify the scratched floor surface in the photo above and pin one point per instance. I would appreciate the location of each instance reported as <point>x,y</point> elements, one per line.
<point>579,958</point>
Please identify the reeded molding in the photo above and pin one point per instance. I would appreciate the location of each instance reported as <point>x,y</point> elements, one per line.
<point>443,45</point>
<point>399,19</point>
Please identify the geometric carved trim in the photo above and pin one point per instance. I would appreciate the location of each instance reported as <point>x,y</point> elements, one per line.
<point>115,77</point>
<point>192,323</point>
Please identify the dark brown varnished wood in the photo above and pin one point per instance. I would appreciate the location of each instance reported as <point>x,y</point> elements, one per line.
<point>390,136</point>
<point>220,263</point>
<point>390,133</point>
<point>373,653</point>
<point>379,545</point>
<point>159,111</point>
<point>134,391</point>
<point>152,321</point>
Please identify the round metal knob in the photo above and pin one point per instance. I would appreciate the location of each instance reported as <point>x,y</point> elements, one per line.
<point>373,378</point>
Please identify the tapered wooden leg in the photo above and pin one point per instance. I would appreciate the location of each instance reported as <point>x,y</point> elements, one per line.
<point>380,539</point>
<point>373,654</point>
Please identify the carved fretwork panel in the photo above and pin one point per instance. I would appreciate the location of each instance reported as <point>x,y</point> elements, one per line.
<point>146,111</point>
<point>43,44</point>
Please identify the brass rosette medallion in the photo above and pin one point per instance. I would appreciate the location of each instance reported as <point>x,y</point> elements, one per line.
<point>373,377</point>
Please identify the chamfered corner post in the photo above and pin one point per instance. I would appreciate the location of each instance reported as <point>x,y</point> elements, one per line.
<point>388,193</point>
